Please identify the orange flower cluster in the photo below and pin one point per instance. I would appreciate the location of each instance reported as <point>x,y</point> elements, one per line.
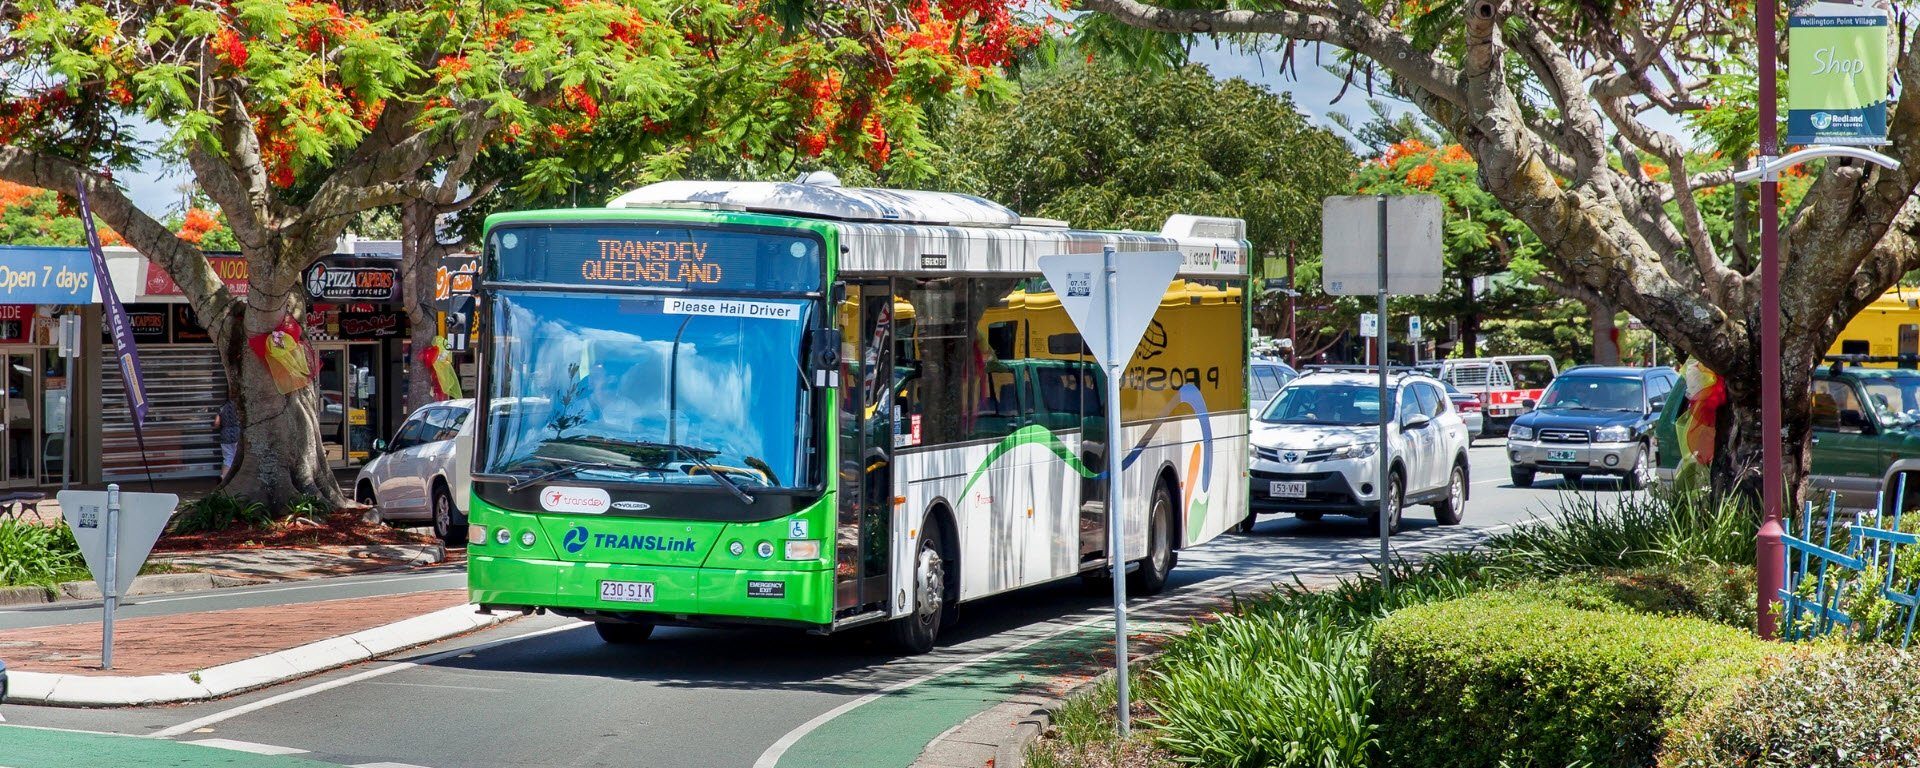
<point>1422,176</point>
<point>197,224</point>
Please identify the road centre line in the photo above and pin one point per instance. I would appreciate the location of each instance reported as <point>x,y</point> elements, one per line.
<point>224,715</point>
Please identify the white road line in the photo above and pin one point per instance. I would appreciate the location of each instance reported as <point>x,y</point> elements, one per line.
<point>222,716</point>
<point>248,746</point>
<point>229,592</point>
<point>771,757</point>
<point>388,765</point>
<point>448,687</point>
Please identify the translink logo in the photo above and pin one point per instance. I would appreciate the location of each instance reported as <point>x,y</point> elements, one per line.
<point>578,536</point>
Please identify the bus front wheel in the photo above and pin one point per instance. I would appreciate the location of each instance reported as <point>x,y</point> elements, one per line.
<point>623,632</point>
<point>916,632</point>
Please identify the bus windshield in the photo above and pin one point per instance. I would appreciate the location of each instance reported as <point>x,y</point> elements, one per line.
<point>648,389</point>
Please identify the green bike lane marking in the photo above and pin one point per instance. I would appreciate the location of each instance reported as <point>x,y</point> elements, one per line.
<point>22,747</point>
<point>894,729</point>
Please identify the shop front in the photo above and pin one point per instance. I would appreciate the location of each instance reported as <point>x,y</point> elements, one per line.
<point>359,336</point>
<point>38,285</point>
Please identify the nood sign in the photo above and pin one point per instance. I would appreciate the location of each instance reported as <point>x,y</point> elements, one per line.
<point>1837,76</point>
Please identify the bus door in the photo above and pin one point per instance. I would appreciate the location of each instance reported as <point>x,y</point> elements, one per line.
<point>865,498</point>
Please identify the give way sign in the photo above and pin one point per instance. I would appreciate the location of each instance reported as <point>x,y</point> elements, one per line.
<point>1080,280</point>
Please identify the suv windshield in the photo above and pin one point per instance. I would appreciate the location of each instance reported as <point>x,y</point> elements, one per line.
<point>1340,405</point>
<point>1593,393</point>
<point>648,389</point>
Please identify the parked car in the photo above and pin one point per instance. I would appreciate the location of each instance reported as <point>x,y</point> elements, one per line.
<point>1265,377</point>
<point>1502,382</point>
<point>1316,449</point>
<point>1593,420</point>
<point>423,473</point>
<point>1468,406</point>
<point>1866,434</point>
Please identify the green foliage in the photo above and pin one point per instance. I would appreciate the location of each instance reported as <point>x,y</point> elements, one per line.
<point>309,507</point>
<point>30,216</point>
<point>218,512</point>
<point>1820,708</point>
<point>1663,527</point>
<point>31,553</point>
<point>1267,689</point>
<point>1082,734</point>
<point>1104,148</point>
<point>1497,679</point>
<point>1717,593</point>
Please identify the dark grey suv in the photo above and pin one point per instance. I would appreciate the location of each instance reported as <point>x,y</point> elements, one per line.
<point>1593,420</point>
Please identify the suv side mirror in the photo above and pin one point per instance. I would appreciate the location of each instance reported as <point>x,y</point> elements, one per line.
<point>1657,403</point>
<point>1852,419</point>
<point>379,447</point>
<point>1415,421</point>
<point>1528,403</point>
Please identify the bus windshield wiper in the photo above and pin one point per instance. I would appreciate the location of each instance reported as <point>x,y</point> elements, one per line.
<point>570,467</point>
<point>727,482</point>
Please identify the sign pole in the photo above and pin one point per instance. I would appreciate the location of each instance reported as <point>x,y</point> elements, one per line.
<point>110,591</point>
<point>1386,448</point>
<point>1116,498</point>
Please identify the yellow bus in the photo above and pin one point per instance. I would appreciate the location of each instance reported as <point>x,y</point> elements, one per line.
<point>1889,326</point>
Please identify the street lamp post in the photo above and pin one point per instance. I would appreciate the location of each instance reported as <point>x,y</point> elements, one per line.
<point>1772,562</point>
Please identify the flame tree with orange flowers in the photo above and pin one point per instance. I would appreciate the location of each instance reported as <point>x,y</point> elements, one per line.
<point>295,116</point>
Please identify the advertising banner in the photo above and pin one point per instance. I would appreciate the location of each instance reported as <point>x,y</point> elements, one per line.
<point>347,279</point>
<point>118,325</point>
<point>232,271</point>
<point>1837,75</point>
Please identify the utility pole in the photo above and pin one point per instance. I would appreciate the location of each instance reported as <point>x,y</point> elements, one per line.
<point>1293,302</point>
<point>1772,563</point>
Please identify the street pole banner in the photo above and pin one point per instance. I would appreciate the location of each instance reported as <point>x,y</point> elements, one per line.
<point>117,323</point>
<point>1837,75</point>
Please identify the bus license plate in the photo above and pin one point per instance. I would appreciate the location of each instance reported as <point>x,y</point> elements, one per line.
<point>1287,489</point>
<point>1560,456</point>
<point>627,591</point>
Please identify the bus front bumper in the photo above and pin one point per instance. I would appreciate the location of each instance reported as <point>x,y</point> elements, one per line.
<point>680,595</point>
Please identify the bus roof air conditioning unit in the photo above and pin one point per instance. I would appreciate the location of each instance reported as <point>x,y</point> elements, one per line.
<point>815,197</point>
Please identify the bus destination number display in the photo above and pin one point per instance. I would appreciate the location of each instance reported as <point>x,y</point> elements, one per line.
<point>652,261</point>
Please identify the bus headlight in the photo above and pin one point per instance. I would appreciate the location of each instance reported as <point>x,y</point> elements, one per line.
<point>803,550</point>
<point>526,538</point>
<point>502,536</point>
<point>476,534</point>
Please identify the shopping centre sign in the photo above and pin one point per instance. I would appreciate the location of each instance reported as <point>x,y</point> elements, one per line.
<point>1837,75</point>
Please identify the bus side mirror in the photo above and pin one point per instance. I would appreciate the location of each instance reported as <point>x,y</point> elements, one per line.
<point>825,354</point>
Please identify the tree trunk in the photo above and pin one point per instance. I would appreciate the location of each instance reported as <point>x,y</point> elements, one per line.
<point>420,257</point>
<point>1738,443</point>
<point>1606,335</point>
<point>282,457</point>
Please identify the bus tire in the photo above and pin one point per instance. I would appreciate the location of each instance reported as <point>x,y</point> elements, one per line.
<point>1151,577</point>
<point>624,632</point>
<point>916,632</point>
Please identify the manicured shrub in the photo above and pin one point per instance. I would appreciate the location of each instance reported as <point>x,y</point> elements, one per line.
<point>1507,678</point>
<point>31,553</point>
<point>1819,708</point>
<point>1717,593</point>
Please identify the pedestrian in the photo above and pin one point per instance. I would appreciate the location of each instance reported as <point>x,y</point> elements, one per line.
<point>227,424</point>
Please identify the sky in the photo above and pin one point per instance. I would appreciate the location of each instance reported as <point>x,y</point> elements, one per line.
<point>155,186</point>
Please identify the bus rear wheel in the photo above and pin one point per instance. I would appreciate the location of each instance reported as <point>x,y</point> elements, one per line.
<point>1151,577</point>
<point>916,632</point>
<point>624,632</point>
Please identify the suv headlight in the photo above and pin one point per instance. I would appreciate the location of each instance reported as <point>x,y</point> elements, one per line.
<point>1356,451</point>
<point>1518,432</point>
<point>1612,435</point>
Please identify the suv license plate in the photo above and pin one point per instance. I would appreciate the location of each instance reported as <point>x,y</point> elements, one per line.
<point>1287,489</point>
<point>1560,456</point>
<point>627,591</point>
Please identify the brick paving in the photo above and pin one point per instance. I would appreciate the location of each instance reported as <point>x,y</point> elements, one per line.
<point>193,641</point>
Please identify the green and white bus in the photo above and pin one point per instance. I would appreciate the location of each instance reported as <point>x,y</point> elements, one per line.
<point>798,404</point>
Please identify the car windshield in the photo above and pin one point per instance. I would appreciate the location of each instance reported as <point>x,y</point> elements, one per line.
<point>1895,398</point>
<point>648,389</point>
<point>1593,393</point>
<point>1325,404</point>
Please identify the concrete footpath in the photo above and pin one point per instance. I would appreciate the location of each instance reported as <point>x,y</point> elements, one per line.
<point>210,654</point>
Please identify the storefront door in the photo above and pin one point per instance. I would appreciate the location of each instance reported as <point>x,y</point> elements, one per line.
<point>21,455</point>
<point>349,405</point>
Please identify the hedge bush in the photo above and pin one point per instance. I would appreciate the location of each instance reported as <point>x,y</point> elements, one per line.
<point>1718,593</point>
<point>1522,680</point>
<point>1818,709</point>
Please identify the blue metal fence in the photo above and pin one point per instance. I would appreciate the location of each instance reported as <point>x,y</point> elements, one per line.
<point>1869,589</point>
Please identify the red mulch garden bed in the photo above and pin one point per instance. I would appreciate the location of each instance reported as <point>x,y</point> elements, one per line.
<point>342,527</point>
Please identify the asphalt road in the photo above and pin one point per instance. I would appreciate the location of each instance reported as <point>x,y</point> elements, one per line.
<point>544,691</point>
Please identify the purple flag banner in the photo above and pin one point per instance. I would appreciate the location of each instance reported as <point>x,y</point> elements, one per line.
<point>117,323</point>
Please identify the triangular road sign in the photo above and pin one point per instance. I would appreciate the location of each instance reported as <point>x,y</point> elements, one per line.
<point>141,519</point>
<point>1080,280</point>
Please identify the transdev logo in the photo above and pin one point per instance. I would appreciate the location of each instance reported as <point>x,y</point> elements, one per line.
<point>560,498</point>
<point>575,540</point>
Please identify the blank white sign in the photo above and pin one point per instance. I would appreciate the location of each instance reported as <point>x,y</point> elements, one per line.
<point>1350,245</point>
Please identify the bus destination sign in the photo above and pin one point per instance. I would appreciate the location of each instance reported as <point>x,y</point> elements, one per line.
<point>630,262</point>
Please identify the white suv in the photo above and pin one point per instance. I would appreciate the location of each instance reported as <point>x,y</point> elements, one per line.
<point>1316,449</point>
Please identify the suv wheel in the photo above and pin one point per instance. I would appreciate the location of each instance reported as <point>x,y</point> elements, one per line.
<point>1641,475</point>
<point>1449,512</point>
<point>448,523</point>
<point>1522,477</point>
<point>1396,497</point>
